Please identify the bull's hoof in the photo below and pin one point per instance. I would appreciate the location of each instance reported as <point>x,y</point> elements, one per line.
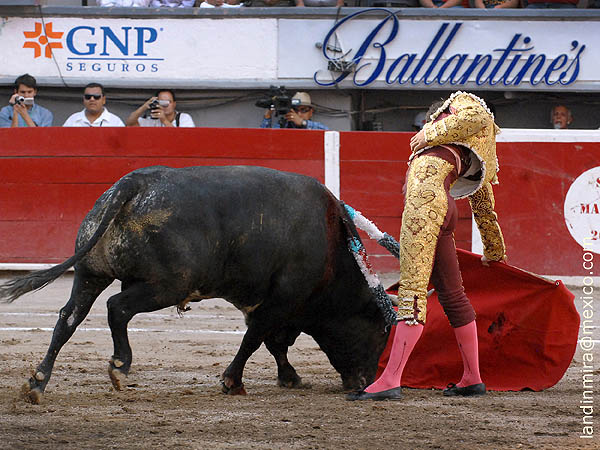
<point>293,383</point>
<point>117,378</point>
<point>30,395</point>
<point>233,390</point>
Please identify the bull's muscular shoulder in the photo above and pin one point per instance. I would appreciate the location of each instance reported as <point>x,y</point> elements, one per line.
<point>223,174</point>
<point>160,202</point>
<point>250,185</point>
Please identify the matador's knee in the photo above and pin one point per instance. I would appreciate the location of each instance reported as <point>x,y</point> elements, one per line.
<point>425,209</point>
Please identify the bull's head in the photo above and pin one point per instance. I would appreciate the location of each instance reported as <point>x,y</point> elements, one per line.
<point>353,339</point>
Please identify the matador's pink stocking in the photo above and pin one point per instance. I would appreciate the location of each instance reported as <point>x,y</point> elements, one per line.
<point>404,342</point>
<point>466,336</point>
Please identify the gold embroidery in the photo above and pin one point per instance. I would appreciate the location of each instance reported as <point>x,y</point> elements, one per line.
<point>472,126</point>
<point>424,212</point>
<point>482,203</point>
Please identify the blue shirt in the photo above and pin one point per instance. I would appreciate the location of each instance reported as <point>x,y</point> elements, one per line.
<point>40,116</point>
<point>310,125</point>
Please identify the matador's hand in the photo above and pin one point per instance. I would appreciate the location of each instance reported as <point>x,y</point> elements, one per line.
<point>486,262</point>
<point>418,141</point>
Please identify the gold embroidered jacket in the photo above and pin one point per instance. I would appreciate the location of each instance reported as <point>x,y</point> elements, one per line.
<point>472,126</point>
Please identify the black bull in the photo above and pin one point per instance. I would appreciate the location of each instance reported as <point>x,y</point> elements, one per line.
<point>273,244</point>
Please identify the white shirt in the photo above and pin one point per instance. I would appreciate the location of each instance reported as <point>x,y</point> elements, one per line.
<point>185,121</point>
<point>106,119</point>
<point>224,5</point>
<point>123,3</point>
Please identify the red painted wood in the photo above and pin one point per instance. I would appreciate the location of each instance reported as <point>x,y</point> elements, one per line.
<point>534,180</point>
<point>107,170</point>
<point>51,177</point>
<point>375,146</point>
<point>37,241</point>
<point>39,202</point>
<point>156,142</point>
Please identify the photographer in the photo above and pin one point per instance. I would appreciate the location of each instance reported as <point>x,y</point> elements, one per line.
<point>22,110</point>
<point>159,111</point>
<point>299,116</point>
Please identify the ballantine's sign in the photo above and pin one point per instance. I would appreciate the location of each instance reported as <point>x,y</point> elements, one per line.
<point>515,62</point>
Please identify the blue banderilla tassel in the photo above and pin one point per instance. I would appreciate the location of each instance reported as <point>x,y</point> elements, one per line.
<point>355,245</point>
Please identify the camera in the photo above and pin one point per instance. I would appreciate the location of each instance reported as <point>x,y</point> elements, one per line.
<point>20,100</point>
<point>280,101</point>
<point>157,103</point>
<point>154,105</point>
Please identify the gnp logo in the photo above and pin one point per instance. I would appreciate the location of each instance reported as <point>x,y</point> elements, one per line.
<point>42,40</point>
<point>97,49</point>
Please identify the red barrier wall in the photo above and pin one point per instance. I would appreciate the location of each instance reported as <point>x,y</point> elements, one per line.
<point>534,180</point>
<point>52,177</point>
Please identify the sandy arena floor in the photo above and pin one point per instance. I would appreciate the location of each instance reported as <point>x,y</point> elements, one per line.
<point>173,398</point>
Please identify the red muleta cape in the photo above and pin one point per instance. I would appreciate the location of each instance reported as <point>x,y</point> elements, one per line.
<point>527,328</point>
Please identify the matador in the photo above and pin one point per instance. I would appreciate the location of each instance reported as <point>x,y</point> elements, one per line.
<point>453,157</point>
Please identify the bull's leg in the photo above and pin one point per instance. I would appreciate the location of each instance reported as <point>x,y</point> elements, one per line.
<point>83,294</point>
<point>278,344</point>
<point>135,298</point>
<point>232,377</point>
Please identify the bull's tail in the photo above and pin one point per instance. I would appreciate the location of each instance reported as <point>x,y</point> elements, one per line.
<point>122,192</point>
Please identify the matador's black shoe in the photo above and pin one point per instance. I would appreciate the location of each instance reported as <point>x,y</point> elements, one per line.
<point>390,394</point>
<point>473,390</point>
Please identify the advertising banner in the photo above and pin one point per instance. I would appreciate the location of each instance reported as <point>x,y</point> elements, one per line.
<point>446,54</point>
<point>129,52</point>
<point>371,48</point>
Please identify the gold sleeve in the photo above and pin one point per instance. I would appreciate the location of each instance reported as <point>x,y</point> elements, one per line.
<point>425,208</point>
<point>482,204</point>
<point>468,119</point>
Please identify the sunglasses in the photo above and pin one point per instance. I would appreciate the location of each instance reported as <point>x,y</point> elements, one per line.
<point>95,96</point>
<point>303,109</point>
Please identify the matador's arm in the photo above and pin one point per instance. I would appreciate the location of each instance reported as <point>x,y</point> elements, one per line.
<point>468,117</point>
<point>482,203</point>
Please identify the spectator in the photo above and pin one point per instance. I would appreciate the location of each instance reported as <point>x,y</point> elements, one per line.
<point>331,3</point>
<point>561,117</point>
<point>551,4</point>
<point>221,4</point>
<point>160,115</point>
<point>495,4</point>
<point>124,3</point>
<point>27,115</point>
<point>172,3</point>
<point>282,3</point>
<point>420,120</point>
<point>94,113</point>
<point>300,116</point>
<point>441,3</point>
